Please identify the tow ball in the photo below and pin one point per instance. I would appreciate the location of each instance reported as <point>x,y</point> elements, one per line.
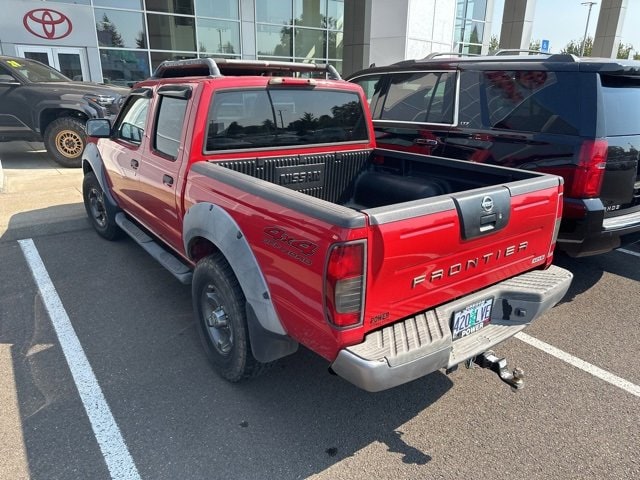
<point>496,364</point>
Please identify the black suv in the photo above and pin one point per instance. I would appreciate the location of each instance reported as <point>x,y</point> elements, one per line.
<point>578,118</point>
<point>38,103</point>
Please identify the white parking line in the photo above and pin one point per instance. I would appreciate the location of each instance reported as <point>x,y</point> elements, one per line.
<point>114,450</point>
<point>581,364</point>
<point>628,252</point>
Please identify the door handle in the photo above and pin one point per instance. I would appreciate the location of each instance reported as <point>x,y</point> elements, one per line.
<point>167,180</point>
<point>134,163</point>
<point>426,141</point>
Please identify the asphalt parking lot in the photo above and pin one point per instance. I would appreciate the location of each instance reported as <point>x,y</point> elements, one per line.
<point>136,398</point>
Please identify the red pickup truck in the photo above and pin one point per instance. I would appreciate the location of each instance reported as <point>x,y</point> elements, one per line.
<point>262,187</point>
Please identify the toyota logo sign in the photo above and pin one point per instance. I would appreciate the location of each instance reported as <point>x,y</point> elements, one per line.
<point>46,23</point>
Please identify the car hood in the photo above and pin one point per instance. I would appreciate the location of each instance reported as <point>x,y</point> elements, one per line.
<point>84,88</point>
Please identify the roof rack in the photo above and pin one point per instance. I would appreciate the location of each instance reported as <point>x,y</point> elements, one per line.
<point>507,51</point>
<point>449,54</point>
<point>218,67</point>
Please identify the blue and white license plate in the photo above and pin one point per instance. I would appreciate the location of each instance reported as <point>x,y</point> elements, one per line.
<point>471,319</point>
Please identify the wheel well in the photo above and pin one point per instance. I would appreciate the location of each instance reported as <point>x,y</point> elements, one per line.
<point>200,247</point>
<point>49,115</point>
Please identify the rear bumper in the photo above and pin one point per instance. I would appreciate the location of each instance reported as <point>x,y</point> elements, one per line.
<point>593,234</point>
<point>422,344</point>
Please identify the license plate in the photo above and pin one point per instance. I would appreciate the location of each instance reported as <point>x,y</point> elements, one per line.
<point>472,318</point>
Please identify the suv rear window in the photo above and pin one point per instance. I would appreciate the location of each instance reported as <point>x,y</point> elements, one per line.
<point>282,117</point>
<point>621,97</point>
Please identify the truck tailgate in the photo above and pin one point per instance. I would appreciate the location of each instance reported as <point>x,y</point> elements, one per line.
<point>425,253</point>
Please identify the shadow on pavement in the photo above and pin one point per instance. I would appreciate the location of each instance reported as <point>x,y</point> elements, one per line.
<point>46,221</point>
<point>25,156</point>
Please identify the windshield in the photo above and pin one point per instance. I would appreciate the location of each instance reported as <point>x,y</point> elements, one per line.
<point>34,71</point>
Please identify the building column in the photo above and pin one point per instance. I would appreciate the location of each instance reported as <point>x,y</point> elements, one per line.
<point>517,23</point>
<point>356,36</point>
<point>609,29</point>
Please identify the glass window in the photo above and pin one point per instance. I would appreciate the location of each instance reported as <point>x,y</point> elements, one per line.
<point>217,8</point>
<point>310,43</point>
<point>134,119</point>
<point>270,11</point>
<point>130,4</point>
<point>283,117</point>
<point>123,67</point>
<point>272,40</point>
<point>335,44</point>
<point>310,14</point>
<point>420,97</point>
<point>35,72</point>
<point>169,126</point>
<point>533,101</point>
<point>184,7</point>
<point>335,14</point>
<point>621,97</point>
<point>370,85</point>
<point>158,57</point>
<point>218,36</point>
<point>167,32</point>
<point>116,28</point>
<point>469,32</point>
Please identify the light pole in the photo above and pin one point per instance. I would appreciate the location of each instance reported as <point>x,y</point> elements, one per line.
<point>584,39</point>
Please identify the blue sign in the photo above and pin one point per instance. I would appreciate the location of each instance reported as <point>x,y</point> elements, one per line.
<point>544,46</point>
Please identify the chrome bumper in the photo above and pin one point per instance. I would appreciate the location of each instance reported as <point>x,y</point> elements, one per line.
<point>422,344</point>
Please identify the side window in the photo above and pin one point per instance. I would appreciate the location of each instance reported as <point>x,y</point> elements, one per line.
<point>134,119</point>
<point>370,85</point>
<point>420,97</point>
<point>168,131</point>
<point>533,101</point>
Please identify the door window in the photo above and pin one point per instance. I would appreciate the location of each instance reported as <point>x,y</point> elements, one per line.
<point>169,126</point>
<point>134,119</point>
<point>420,97</point>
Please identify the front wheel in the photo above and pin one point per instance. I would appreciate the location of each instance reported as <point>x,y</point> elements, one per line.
<point>65,140</point>
<point>219,306</point>
<point>101,214</point>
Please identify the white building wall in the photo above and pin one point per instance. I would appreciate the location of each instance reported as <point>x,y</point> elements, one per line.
<point>408,29</point>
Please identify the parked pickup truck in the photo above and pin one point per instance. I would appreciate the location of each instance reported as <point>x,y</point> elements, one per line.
<point>267,193</point>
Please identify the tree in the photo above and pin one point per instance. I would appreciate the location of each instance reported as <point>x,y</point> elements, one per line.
<point>108,34</point>
<point>494,44</point>
<point>574,47</point>
<point>624,50</point>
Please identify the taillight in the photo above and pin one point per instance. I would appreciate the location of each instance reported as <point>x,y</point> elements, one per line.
<point>344,284</point>
<point>587,179</point>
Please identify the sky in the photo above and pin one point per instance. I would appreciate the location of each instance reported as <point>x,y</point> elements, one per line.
<point>561,21</point>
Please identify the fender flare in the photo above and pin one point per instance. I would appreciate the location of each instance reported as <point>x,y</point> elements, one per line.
<point>91,160</point>
<point>269,339</point>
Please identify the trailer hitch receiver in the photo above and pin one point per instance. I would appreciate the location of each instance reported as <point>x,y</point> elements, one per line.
<point>496,364</point>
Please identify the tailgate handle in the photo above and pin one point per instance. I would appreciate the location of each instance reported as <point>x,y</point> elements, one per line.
<point>488,222</point>
<point>167,180</point>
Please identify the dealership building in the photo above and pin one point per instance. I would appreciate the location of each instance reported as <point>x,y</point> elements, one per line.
<point>121,41</point>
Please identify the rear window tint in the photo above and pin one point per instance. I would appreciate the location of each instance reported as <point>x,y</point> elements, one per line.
<point>283,117</point>
<point>533,101</point>
<point>621,97</point>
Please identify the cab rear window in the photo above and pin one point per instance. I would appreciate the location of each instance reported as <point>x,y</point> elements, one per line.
<point>281,117</point>
<point>621,97</point>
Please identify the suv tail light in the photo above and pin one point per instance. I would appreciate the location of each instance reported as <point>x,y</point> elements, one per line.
<point>344,284</point>
<point>584,180</point>
<point>592,162</point>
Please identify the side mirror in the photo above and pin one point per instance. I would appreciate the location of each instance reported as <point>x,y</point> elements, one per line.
<point>98,127</point>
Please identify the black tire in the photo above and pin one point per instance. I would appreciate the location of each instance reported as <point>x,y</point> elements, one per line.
<point>101,214</point>
<point>65,139</point>
<point>219,306</point>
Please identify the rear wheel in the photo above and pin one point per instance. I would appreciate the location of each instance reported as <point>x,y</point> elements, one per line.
<point>65,139</point>
<point>101,214</point>
<point>219,306</point>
